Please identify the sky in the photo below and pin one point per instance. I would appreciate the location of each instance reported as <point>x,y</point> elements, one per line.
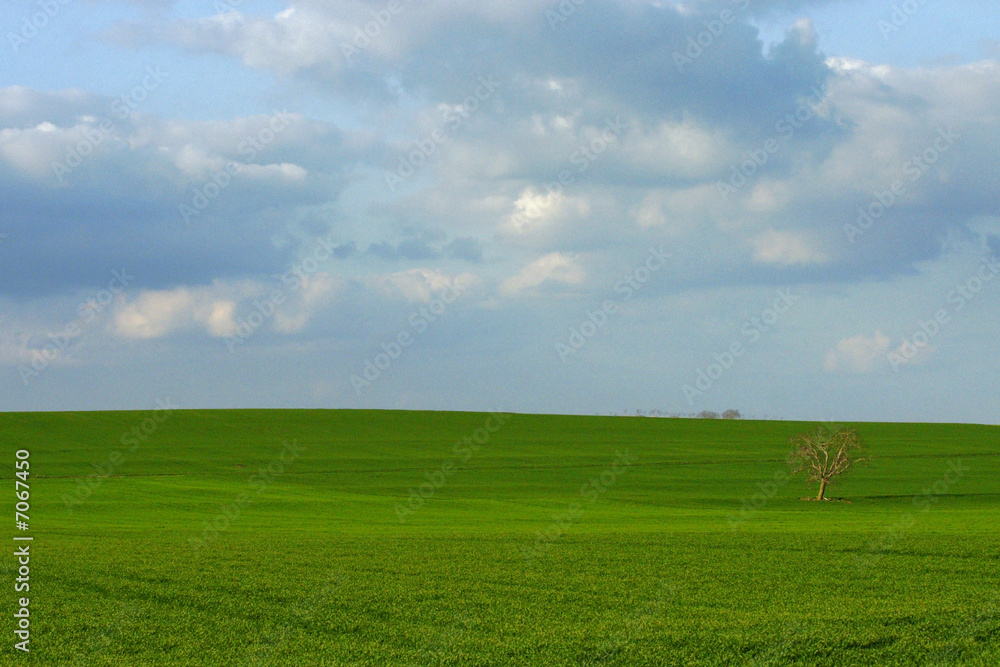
<point>785,207</point>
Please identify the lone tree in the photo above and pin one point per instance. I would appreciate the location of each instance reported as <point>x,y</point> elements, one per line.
<point>825,454</point>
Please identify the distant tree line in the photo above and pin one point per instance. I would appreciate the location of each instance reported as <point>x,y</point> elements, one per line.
<point>731,413</point>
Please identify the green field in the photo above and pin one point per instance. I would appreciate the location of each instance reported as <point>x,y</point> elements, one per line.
<point>300,538</point>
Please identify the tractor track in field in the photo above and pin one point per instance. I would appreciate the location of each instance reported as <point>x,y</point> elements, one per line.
<point>666,464</point>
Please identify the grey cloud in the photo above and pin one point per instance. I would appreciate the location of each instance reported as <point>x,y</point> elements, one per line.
<point>436,51</point>
<point>153,195</point>
<point>412,249</point>
<point>428,246</point>
<point>467,248</point>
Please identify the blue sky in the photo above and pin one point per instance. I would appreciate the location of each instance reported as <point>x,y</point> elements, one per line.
<point>784,207</point>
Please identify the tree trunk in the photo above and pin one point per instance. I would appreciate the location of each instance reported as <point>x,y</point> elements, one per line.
<point>822,488</point>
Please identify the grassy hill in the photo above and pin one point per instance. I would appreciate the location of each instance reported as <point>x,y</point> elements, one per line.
<point>417,538</point>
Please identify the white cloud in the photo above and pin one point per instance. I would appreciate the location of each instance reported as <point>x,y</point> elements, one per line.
<point>154,314</point>
<point>651,213</point>
<point>860,354</point>
<point>316,293</point>
<point>683,137</point>
<point>421,285</point>
<point>14,348</point>
<point>678,211</point>
<point>556,266</point>
<point>684,149</point>
<point>786,248</point>
<point>535,211</point>
<point>237,182</point>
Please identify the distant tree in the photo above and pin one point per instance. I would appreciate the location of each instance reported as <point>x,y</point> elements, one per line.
<point>708,414</point>
<point>825,454</point>
<point>731,414</point>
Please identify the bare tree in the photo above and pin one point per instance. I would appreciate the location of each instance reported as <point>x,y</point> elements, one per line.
<point>708,414</point>
<point>731,413</point>
<point>825,454</point>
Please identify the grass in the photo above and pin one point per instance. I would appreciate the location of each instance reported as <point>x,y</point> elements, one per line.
<point>559,541</point>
